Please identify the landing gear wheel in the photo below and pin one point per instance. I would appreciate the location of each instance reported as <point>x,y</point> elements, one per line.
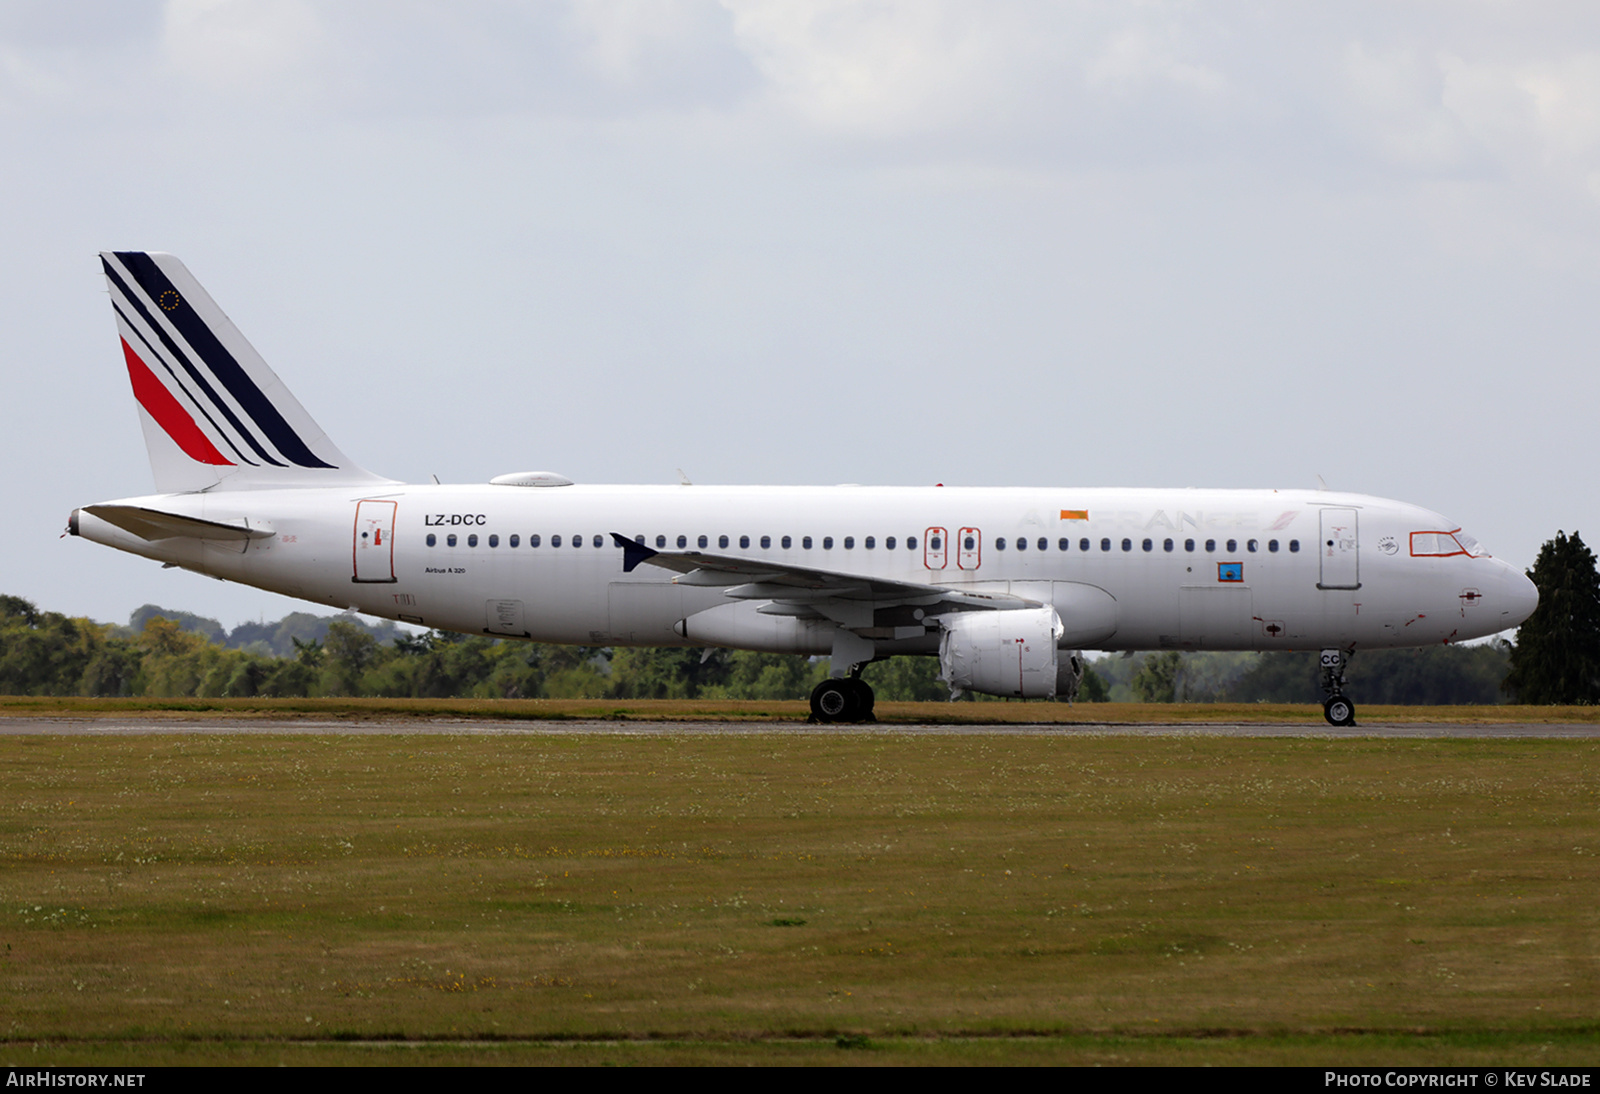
<point>1339,711</point>
<point>846,700</point>
<point>834,701</point>
<point>864,699</point>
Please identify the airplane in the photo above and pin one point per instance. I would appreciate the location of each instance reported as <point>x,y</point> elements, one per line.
<point>1003,586</point>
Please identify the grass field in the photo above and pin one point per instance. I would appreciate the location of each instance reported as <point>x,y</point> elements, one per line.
<point>807,897</point>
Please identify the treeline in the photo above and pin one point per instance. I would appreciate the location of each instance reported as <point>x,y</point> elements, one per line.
<point>1432,675</point>
<point>168,653</point>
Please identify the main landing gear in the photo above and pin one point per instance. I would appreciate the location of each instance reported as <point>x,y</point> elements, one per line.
<point>1337,709</point>
<point>847,699</point>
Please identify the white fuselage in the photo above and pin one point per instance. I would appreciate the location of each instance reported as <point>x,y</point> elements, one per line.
<point>1125,569</point>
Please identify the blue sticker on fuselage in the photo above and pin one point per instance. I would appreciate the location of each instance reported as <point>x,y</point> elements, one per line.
<point>1230,571</point>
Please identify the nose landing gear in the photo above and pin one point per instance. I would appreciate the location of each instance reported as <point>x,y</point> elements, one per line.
<point>1337,709</point>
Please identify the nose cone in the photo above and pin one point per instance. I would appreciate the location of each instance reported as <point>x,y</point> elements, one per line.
<point>1518,598</point>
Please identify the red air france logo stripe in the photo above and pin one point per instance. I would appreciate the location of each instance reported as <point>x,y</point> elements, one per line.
<point>168,413</point>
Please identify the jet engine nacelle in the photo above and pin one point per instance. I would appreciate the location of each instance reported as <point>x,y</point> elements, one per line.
<point>1001,653</point>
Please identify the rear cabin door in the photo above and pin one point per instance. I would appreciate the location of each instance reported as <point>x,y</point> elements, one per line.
<point>374,541</point>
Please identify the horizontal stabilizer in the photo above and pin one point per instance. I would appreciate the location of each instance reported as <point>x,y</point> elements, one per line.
<point>152,524</point>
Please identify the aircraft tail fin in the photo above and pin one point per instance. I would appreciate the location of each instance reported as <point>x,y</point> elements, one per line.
<point>214,414</point>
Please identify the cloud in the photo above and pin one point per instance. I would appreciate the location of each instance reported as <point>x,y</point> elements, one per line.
<point>887,67</point>
<point>241,45</point>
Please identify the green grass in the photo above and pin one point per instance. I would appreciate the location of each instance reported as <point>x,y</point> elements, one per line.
<point>778,898</point>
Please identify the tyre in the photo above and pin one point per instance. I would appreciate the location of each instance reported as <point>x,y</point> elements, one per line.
<point>1339,711</point>
<point>834,701</point>
<point>864,699</point>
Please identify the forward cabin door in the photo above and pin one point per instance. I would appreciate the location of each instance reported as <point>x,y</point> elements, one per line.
<point>1339,548</point>
<point>374,541</point>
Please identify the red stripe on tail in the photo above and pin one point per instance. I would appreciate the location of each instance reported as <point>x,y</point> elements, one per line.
<point>168,413</point>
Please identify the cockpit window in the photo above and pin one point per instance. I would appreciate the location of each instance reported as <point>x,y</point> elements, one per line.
<point>1444,544</point>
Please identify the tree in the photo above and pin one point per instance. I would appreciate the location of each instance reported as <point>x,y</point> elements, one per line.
<point>347,653</point>
<point>1557,655</point>
<point>1093,688</point>
<point>1157,680</point>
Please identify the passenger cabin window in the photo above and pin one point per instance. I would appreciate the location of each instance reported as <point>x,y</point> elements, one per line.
<point>704,541</point>
<point>1127,544</point>
<point>869,543</point>
<point>805,542</point>
<point>744,542</point>
<point>1083,545</point>
<point>472,540</point>
<point>494,540</point>
<point>599,541</point>
<point>1044,544</point>
<point>888,544</point>
<point>911,543</point>
<point>1188,545</point>
<point>1166,545</point>
<point>533,541</point>
<point>1147,545</point>
<point>450,540</point>
<point>683,541</point>
<point>1105,545</point>
<point>555,541</point>
<point>1272,545</point>
<point>1211,546</point>
<point>1294,546</point>
<point>849,543</point>
<point>515,541</point>
<point>786,541</point>
<point>1233,546</point>
<point>722,541</point>
<point>432,539</point>
<point>1251,546</point>
<point>1022,543</point>
<point>827,543</point>
<point>999,543</point>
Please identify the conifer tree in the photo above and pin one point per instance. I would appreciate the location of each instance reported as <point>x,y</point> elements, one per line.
<point>1557,655</point>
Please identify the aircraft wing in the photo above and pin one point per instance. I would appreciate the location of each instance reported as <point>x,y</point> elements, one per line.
<point>801,590</point>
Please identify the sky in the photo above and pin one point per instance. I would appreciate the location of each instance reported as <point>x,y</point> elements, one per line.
<point>1063,244</point>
